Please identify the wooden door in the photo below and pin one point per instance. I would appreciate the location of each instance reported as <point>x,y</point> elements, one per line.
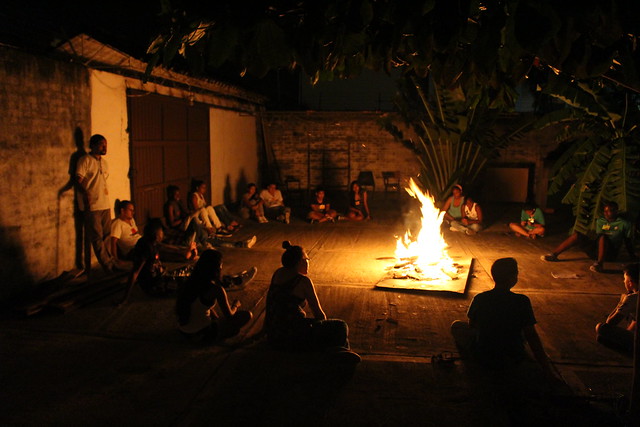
<point>169,144</point>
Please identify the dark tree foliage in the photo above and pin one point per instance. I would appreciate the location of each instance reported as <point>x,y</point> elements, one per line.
<point>575,51</point>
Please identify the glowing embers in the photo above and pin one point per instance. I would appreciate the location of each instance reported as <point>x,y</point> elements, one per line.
<point>422,262</point>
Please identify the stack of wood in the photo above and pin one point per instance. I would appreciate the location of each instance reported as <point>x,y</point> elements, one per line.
<point>70,291</point>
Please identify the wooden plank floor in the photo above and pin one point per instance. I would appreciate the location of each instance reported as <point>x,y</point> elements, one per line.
<point>396,332</point>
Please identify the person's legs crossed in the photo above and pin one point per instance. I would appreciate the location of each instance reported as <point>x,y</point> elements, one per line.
<point>457,226</point>
<point>614,336</point>
<point>213,217</point>
<point>330,333</point>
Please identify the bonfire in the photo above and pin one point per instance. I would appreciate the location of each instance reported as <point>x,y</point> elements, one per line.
<point>424,256</point>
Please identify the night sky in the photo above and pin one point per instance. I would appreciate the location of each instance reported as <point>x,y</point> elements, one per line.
<point>41,25</point>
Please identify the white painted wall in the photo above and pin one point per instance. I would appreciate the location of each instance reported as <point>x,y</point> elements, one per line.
<point>109,118</point>
<point>233,139</point>
<point>234,153</point>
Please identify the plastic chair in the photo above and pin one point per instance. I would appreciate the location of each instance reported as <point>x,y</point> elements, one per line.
<point>365,178</point>
<point>391,181</point>
<point>292,189</point>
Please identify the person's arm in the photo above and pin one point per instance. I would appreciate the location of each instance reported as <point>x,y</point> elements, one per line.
<point>365,203</point>
<point>463,211</point>
<point>279,199</point>
<point>310,295</point>
<point>615,317</point>
<point>174,217</point>
<point>82,188</point>
<point>133,277</point>
<point>445,208</point>
<point>193,201</point>
<point>220,295</point>
<point>114,248</point>
<point>533,339</point>
<point>479,214</point>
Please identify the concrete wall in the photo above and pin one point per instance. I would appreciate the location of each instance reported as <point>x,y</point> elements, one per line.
<point>234,154</point>
<point>44,110</point>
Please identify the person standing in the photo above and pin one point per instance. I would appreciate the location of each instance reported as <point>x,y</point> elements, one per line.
<point>92,173</point>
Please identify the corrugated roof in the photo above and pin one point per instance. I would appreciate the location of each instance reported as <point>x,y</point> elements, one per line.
<point>97,55</point>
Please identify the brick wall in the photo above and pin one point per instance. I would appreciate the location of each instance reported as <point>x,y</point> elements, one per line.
<point>44,109</point>
<point>298,138</point>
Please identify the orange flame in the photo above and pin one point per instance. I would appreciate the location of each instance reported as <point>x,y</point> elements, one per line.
<point>428,250</point>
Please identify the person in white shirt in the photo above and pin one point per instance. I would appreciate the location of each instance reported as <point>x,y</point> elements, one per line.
<point>274,207</point>
<point>124,233</point>
<point>92,172</point>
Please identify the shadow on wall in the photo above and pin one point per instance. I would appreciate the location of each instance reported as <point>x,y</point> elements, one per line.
<point>14,275</point>
<point>241,188</point>
<point>78,220</point>
<point>227,198</point>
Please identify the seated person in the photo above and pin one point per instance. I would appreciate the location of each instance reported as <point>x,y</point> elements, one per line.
<point>124,234</point>
<point>618,330</point>
<point>499,323</point>
<point>177,218</point>
<point>471,221</point>
<point>321,208</point>
<point>204,213</point>
<point>227,217</point>
<point>453,206</point>
<point>611,231</point>
<point>358,203</point>
<point>252,206</point>
<point>182,226</point>
<point>531,222</point>
<point>148,270</point>
<point>274,207</point>
<point>198,298</point>
<point>286,324</point>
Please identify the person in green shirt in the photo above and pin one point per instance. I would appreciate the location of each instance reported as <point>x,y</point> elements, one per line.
<point>531,223</point>
<point>611,232</point>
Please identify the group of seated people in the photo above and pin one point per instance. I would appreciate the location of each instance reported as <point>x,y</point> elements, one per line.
<point>500,321</point>
<point>269,204</point>
<point>462,214</point>
<point>321,210</point>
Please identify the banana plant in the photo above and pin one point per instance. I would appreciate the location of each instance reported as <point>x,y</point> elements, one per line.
<point>600,144</point>
<point>455,136</point>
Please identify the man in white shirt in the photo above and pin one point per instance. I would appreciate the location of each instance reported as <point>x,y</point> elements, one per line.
<point>91,173</point>
<point>124,233</point>
<point>274,207</point>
